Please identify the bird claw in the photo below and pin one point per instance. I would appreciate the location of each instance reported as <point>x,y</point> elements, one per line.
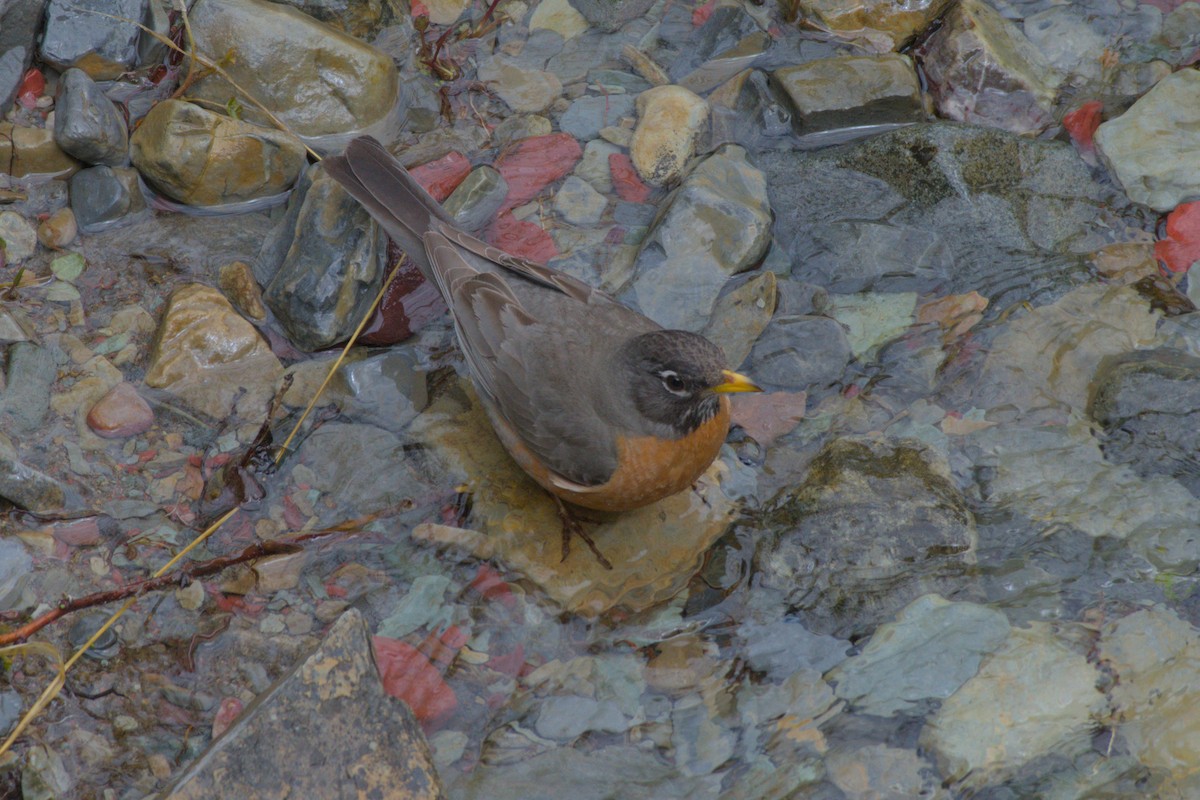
<point>570,526</point>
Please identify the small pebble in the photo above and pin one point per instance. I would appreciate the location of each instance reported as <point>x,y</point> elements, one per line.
<point>120,414</point>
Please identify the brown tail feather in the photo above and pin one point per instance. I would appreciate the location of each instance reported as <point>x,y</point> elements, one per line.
<point>377,180</point>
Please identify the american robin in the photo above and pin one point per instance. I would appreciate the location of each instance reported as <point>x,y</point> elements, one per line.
<point>599,404</point>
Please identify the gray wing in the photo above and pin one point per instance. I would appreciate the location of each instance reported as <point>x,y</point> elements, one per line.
<point>531,371</point>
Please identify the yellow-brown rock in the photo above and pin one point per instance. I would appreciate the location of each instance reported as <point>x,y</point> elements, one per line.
<point>201,158</point>
<point>32,151</point>
<point>654,550</point>
<point>206,354</point>
<point>670,119</point>
<point>878,22</point>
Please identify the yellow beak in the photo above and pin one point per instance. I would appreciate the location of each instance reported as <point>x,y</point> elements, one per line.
<point>735,382</point>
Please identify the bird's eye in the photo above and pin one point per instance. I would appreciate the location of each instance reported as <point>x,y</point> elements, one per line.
<point>672,381</point>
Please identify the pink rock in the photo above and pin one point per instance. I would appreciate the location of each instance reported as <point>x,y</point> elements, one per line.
<point>625,179</point>
<point>120,414</point>
<point>441,177</point>
<point>532,164</point>
<point>1181,247</point>
<point>409,675</point>
<point>78,533</point>
<point>521,239</point>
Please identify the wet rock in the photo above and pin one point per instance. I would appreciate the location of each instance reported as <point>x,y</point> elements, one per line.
<point>520,126</point>
<point>204,159</point>
<point>938,209</point>
<point>927,654</point>
<point>607,16</point>
<point>236,280</point>
<point>981,69</point>
<point>1080,329</point>
<point>727,63</point>
<point>120,414</point>
<point>1056,478</point>
<point>32,151</point>
<point>524,90</point>
<point>16,565</point>
<point>25,486</point>
<point>387,389</point>
<point>1153,655</point>
<point>800,352</point>
<point>20,23</point>
<point>851,91</point>
<point>19,237</point>
<point>866,19</point>
<point>616,81</point>
<point>475,202</point>
<point>316,80</point>
<point>1032,697</point>
<point>330,711</point>
<point>104,196</point>
<point>578,203</point>
<point>593,167</point>
<point>46,775</point>
<point>872,320</point>
<point>654,550</point>
<point>1147,403</point>
<point>558,16</point>
<point>748,111</point>
<point>1147,147</point>
<point>13,63</point>
<point>209,357</point>
<point>670,120</point>
<point>877,771</point>
<point>587,115</point>
<point>624,771</point>
<point>30,373</point>
<point>363,19</point>
<point>884,521</point>
<point>86,123</point>
<point>717,225</point>
<point>58,230</point>
<point>565,718</point>
<point>361,468</point>
<point>781,648</point>
<point>739,316</point>
<point>1065,38</point>
<point>333,265</point>
<point>98,43</point>
<point>446,12</point>
<point>532,164</point>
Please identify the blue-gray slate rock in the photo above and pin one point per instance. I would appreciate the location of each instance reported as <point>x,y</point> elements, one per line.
<point>334,263</point>
<point>587,115</point>
<point>12,70</point>
<point>77,36</point>
<point>717,224</point>
<point>86,123</point>
<point>26,397</point>
<point>943,209</point>
<point>102,196</point>
<point>609,16</point>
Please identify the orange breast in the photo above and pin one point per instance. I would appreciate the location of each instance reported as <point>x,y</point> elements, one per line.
<point>649,468</point>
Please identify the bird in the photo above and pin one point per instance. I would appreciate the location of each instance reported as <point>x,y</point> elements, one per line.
<point>600,405</point>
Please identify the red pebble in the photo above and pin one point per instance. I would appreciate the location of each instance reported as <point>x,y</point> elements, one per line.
<point>409,675</point>
<point>33,84</point>
<point>491,586</point>
<point>1181,248</point>
<point>1081,124</point>
<point>227,712</point>
<point>625,179</point>
<point>408,305</point>
<point>509,663</point>
<point>419,9</point>
<point>521,239</point>
<point>532,164</point>
<point>702,13</point>
<point>441,177</point>
<point>78,533</point>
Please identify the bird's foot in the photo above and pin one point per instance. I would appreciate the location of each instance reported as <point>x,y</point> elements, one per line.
<point>571,525</point>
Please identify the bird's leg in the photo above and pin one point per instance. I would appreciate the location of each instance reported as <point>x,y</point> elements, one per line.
<point>570,525</point>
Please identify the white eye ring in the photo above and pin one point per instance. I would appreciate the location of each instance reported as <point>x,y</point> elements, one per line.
<point>672,382</point>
